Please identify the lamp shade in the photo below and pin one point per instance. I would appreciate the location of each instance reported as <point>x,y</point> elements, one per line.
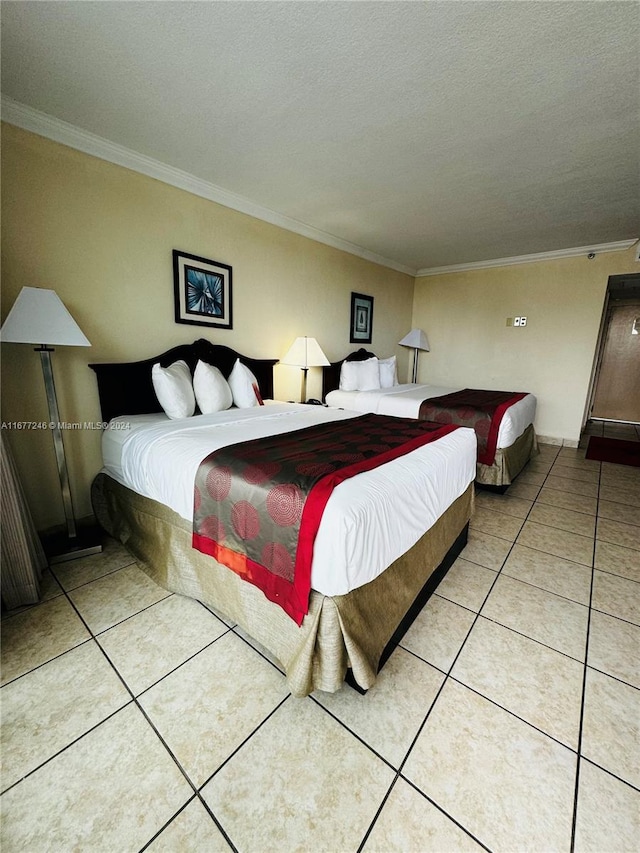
<point>416,339</point>
<point>39,316</point>
<point>305,352</point>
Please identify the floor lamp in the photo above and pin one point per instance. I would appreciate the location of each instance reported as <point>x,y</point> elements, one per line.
<point>39,317</point>
<point>417,340</point>
<point>305,353</point>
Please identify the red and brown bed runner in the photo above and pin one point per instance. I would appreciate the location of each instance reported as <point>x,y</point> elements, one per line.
<point>481,410</point>
<point>258,505</point>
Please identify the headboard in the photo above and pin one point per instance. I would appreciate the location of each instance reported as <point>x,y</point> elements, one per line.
<point>126,388</point>
<point>331,374</point>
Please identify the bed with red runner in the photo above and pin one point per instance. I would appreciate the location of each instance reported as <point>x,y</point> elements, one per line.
<point>482,411</point>
<point>502,420</point>
<point>384,536</point>
<point>258,505</point>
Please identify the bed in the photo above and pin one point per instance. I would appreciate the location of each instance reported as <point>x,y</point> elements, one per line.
<point>372,570</point>
<point>516,439</point>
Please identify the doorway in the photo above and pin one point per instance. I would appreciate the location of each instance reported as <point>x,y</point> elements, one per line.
<point>616,389</point>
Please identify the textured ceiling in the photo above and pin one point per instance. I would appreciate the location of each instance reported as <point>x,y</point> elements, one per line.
<point>429,133</point>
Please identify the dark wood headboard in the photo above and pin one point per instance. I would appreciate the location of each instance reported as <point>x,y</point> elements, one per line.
<point>126,388</point>
<point>331,374</point>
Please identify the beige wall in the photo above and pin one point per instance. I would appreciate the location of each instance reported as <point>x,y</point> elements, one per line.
<point>101,236</point>
<point>464,316</point>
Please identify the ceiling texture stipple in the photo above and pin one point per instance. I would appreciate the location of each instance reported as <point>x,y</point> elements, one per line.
<point>420,134</point>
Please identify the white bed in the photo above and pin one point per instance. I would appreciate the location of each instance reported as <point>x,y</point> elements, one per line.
<point>403,401</point>
<point>385,540</point>
<point>516,439</point>
<point>358,537</point>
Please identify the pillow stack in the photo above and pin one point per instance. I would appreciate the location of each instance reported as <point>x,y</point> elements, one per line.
<point>178,394</point>
<point>368,375</point>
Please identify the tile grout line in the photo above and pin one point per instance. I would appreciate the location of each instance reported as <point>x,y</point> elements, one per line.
<point>168,823</point>
<point>398,774</point>
<point>50,569</point>
<point>240,745</point>
<point>66,747</point>
<point>584,679</point>
<point>134,701</point>
<point>169,751</point>
<point>437,696</point>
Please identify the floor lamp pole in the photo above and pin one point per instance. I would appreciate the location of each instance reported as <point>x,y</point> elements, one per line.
<point>303,385</point>
<point>58,444</point>
<point>74,547</point>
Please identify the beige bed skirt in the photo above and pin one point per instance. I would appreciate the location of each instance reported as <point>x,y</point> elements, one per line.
<point>338,632</point>
<point>509,461</point>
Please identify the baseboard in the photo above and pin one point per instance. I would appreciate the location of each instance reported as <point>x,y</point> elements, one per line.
<point>557,442</point>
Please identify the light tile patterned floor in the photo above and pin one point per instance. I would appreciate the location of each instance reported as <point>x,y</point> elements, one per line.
<point>507,720</point>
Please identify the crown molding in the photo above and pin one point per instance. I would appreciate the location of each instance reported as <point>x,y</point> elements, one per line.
<point>68,134</point>
<point>620,246</point>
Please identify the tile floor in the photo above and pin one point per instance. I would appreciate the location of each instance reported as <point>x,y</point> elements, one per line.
<point>508,720</point>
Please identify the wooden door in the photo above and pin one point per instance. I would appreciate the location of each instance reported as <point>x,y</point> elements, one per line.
<point>617,394</point>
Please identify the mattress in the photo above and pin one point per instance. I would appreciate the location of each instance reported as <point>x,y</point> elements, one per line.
<point>369,521</point>
<point>403,401</point>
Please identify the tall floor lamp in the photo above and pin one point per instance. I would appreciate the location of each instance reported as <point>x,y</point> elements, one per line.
<point>38,316</point>
<point>417,340</point>
<point>305,353</point>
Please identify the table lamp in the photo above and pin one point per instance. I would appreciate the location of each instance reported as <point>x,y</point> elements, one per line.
<point>417,340</point>
<point>305,353</point>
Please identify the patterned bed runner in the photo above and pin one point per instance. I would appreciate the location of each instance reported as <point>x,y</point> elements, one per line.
<point>481,410</point>
<point>258,505</point>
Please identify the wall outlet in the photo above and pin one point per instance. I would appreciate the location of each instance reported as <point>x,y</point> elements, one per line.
<point>516,321</point>
<point>523,321</point>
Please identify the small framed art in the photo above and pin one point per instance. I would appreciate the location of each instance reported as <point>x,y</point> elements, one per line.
<point>202,291</point>
<point>361,318</point>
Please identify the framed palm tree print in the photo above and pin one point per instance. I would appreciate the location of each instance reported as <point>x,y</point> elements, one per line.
<point>202,291</point>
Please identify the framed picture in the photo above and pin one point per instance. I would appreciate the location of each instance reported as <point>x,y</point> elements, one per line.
<point>202,291</point>
<point>361,318</point>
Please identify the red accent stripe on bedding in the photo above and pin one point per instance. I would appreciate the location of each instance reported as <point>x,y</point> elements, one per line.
<point>481,410</point>
<point>258,505</point>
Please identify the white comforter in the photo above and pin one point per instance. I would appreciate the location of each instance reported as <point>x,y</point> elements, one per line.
<point>403,401</point>
<point>369,521</point>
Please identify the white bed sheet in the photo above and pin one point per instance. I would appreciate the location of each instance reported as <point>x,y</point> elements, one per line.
<point>368,521</point>
<point>403,401</point>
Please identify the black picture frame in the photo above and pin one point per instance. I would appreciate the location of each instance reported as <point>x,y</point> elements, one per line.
<point>202,291</point>
<point>361,318</point>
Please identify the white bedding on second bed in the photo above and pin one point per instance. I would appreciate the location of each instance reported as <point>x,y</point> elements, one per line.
<point>403,401</point>
<point>369,520</point>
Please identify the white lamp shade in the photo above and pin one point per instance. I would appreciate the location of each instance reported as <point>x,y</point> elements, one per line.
<point>416,339</point>
<point>38,316</point>
<point>305,352</point>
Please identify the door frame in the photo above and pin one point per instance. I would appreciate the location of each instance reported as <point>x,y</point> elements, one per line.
<point>597,360</point>
<point>602,338</point>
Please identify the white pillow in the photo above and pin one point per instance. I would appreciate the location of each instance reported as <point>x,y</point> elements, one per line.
<point>388,372</point>
<point>174,389</point>
<point>211,389</point>
<point>360,375</point>
<point>244,387</point>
